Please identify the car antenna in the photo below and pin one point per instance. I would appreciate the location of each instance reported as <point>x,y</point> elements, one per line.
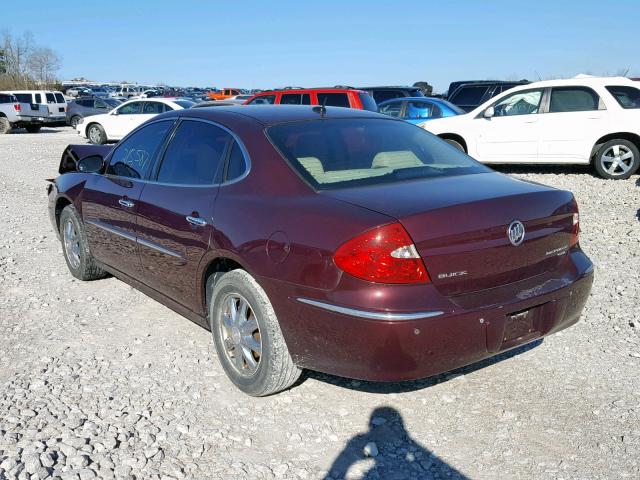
<point>321,109</point>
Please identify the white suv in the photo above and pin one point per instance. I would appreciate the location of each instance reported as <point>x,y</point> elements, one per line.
<point>574,121</point>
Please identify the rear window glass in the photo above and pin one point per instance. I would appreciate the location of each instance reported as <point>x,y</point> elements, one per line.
<point>295,99</point>
<point>50,98</point>
<point>4,98</point>
<point>263,100</point>
<point>59,98</point>
<point>333,99</point>
<point>339,153</point>
<point>24,97</point>
<point>368,103</point>
<point>184,103</point>
<point>468,95</point>
<point>627,97</point>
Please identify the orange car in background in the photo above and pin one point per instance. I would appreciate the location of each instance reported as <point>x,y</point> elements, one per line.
<point>224,93</point>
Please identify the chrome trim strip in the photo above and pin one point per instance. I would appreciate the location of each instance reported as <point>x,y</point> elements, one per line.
<point>139,241</point>
<point>110,229</point>
<point>369,314</point>
<point>155,246</point>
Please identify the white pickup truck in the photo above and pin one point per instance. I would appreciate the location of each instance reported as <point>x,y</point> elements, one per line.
<point>14,114</point>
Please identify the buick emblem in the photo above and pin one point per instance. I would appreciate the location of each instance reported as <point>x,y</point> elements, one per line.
<point>515,232</point>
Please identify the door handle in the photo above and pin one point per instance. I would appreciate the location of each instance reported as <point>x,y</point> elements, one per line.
<point>200,222</point>
<point>126,203</point>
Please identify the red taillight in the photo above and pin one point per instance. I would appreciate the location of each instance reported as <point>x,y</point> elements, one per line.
<point>384,255</point>
<point>17,107</point>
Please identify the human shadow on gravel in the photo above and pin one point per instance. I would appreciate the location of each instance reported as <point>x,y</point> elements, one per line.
<point>411,386</point>
<point>394,453</point>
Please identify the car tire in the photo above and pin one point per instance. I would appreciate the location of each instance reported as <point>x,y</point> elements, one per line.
<point>5,126</point>
<point>75,247</point>
<point>247,337</point>
<point>33,128</point>
<point>617,159</point>
<point>454,143</point>
<point>74,121</point>
<point>96,134</point>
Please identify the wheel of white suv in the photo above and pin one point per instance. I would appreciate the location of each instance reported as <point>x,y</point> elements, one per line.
<point>617,159</point>
<point>247,336</point>
<point>96,134</point>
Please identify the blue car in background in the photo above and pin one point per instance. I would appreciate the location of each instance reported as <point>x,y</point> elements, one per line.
<point>419,109</point>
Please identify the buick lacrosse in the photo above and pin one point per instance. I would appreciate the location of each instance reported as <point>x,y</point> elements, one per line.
<point>322,238</point>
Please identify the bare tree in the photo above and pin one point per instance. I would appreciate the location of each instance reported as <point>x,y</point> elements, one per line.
<point>17,51</point>
<point>42,64</point>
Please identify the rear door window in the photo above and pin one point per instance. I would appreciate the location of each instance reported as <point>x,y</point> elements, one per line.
<point>50,98</point>
<point>38,98</point>
<point>4,98</point>
<point>627,97</point>
<point>293,99</point>
<point>133,157</point>
<point>573,99</point>
<point>334,99</point>
<point>237,164</point>
<point>195,154</point>
<point>59,98</point>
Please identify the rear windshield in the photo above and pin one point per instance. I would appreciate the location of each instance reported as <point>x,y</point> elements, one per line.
<point>184,103</point>
<point>368,103</point>
<point>6,98</point>
<point>627,97</point>
<point>24,97</point>
<point>59,98</point>
<point>339,153</point>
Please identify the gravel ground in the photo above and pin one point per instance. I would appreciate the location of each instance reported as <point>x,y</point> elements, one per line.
<point>99,381</point>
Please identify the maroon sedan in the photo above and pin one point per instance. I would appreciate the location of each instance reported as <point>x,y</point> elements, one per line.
<point>330,239</point>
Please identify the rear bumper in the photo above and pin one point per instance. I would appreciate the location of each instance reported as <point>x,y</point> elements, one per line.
<point>349,344</point>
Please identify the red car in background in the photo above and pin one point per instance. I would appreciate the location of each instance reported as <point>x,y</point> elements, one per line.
<point>329,97</point>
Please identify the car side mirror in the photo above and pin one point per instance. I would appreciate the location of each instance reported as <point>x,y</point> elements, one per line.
<point>489,112</point>
<point>90,164</point>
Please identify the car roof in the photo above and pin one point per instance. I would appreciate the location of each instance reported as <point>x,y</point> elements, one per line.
<point>311,89</point>
<point>417,99</point>
<point>387,87</point>
<point>272,114</point>
<point>575,81</point>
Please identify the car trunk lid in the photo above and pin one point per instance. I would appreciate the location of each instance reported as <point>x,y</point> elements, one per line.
<point>460,226</point>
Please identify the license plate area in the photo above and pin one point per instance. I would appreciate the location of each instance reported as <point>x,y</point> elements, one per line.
<point>522,326</point>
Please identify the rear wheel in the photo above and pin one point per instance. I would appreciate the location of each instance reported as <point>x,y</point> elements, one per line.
<point>5,126</point>
<point>33,128</point>
<point>96,134</point>
<point>617,159</point>
<point>75,247</point>
<point>454,143</point>
<point>74,121</point>
<point>247,336</point>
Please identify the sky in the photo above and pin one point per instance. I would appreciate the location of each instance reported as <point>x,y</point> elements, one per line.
<point>266,44</point>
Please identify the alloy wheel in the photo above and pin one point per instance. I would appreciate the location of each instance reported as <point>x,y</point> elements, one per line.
<point>71,244</point>
<point>94,134</point>
<point>617,160</point>
<point>240,334</point>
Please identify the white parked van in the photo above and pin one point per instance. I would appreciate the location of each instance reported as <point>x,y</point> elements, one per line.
<point>54,102</point>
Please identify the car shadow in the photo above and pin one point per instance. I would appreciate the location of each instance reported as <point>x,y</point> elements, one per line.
<point>387,451</point>
<point>411,386</point>
<point>21,131</point>
<point>542,169</point>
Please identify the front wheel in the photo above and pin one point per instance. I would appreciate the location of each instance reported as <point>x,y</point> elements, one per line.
<point>247,336</point>
<point>617,159</point>
<point>96,134</point>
